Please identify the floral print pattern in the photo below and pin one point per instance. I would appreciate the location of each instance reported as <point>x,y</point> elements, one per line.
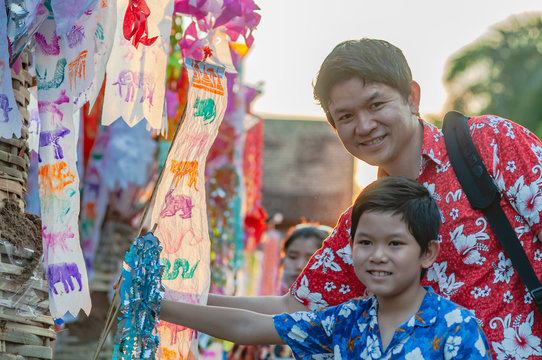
<point>439,330</point>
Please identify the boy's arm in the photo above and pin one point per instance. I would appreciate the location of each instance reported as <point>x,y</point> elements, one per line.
<point>235,325</point>
<point>261,304</point>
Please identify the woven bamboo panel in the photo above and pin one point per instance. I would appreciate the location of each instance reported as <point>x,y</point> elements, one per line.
<point>21,82</point>
<point>26,327</point>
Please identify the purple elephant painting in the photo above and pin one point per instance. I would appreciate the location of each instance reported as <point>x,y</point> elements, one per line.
<point>63,273</point>
<point>131,81</point>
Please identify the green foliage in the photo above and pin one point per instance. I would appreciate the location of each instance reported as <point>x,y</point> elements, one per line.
<point>501,73</point>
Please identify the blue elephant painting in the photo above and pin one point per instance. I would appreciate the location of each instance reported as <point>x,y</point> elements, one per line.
<point>63,273</point>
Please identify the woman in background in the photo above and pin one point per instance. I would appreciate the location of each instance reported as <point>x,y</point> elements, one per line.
<point>299,244</point>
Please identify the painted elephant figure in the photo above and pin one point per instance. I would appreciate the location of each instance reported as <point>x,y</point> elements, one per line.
<point>4,108</point>
<point>63,273</point>
<point>179,263</point>
<point>52,138</point>
<point>58,76</point>
<point>133,81</point>
<point>181,204</point>
<point>205,108</point>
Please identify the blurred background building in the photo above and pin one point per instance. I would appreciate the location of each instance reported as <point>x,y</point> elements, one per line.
<point>307,174</point>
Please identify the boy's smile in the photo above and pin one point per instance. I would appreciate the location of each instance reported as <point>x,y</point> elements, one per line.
<point>387,258</point>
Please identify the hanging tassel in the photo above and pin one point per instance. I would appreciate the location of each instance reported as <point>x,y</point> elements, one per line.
<point>135,23</point>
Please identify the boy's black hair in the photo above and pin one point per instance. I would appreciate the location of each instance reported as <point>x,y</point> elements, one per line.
<point>403,196</point>
<point>370,60</point>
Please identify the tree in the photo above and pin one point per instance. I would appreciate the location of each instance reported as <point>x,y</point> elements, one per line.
<point>501,73</point>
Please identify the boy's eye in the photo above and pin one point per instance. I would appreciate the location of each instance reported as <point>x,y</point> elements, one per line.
<point>364,242</point>
<point>395,243</point>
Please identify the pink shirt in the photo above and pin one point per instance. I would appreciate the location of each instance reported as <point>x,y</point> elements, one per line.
<point>471,269</point>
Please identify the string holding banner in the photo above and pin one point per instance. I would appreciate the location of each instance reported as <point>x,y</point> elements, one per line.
<point>179,208</point>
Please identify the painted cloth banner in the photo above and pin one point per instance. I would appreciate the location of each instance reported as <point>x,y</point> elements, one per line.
<point>135,84</point>
<point>179,209</point>
<point>69,12</point>
<point>58,179</point>
<point>78,46</point>
<point>121,156</point>
<point>95,198</point>
<point>10,118</point>
<point>106,14</point>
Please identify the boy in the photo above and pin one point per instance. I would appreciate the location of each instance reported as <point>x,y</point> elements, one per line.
<point>395,223</point>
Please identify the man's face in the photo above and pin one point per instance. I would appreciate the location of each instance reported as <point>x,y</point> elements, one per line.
<point>375,123</point>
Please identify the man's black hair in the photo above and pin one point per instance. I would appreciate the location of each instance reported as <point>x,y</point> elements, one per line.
<point>370,60</point>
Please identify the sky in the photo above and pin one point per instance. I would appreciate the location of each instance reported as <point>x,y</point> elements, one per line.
<point>294,37</point>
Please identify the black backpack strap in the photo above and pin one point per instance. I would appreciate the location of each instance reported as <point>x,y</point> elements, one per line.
<point>483,194</point>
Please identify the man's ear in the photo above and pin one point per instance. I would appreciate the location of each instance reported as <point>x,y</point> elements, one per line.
<point>414,97</point>
<point>429,256</point>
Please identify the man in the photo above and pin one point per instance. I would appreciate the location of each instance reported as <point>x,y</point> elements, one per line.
<point>366,90</point>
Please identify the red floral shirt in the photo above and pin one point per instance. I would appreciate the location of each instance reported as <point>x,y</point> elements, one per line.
<point>471,269</point>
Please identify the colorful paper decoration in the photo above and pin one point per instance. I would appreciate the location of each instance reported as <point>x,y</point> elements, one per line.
<point>95,198</point>
<point>24,18</point>
<point>106,15</point>
<point>135,79</point>
<point>135,27</point>
<point>179,208</point>
<point>141,292</point>
<point>68,12</point>
<point>58,178</point>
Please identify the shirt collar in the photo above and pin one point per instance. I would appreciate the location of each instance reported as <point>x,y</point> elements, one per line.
<point>433,143</point>
<point>425,316</point>
<point>428,311</point>
<point>432,147</point>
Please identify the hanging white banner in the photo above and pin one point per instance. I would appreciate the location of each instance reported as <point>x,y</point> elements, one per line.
<point>136,79</point>
<point>59,179</point>
<point>179,209</point>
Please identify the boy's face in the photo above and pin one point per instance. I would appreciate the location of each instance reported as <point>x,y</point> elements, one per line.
<point>387,258</point>
<point>374,122</point>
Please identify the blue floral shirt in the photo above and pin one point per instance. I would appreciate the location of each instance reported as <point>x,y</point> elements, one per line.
<point>440,329</point>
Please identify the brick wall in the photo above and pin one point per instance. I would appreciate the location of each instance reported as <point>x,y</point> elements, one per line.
<point>306,172</point>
